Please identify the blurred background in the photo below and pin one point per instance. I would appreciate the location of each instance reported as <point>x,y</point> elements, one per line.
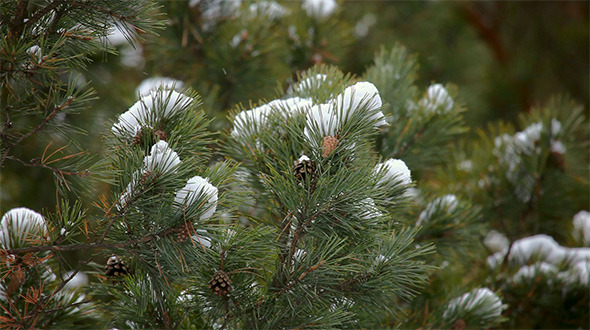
<point>504,57</point>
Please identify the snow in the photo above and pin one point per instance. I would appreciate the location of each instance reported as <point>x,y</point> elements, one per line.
<point>555,127</point>
<point>580,272</point>
<point>20,226</point>
<point>310,83</point>
<point>437,99</point>
<point>496,241</point>
<point>162,159</point>
<point>526,140</point>
<point>150,84</point>
<point>526,274</point>
<point>150,110</point>
<point>201,239</point>
<point>270,9</point>
<point>473,300</point>
<point>248,122</point>
<point>292,105</point>
<point>116,36</point>
<point>299,255</point>
<point>465,165</point>
<point>321,119</point>
<point>446,203</point>
<point>394,170</point>
<point>327,118</point>
<point>244,120</point>
<point>302,158</point>
<point>380,259</point>
<point>539,248</point>
<point>213,11</point>
<point>35,52</point>
<point>581,224</point>
<point>319,8</point>
<point>577,254</point>
<point>369,209</point>
<point>510,150</point>
<point>79,280</point>
<point>196,188</point>
<point>360,95</point>
<point>558,147</point>
<point>362,27</point>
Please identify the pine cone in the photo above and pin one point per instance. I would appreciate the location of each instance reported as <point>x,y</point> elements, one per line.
<point>304,170</point>
<point>328,145</point>
<point>161,135</point>
<point>182,232</point>
<point>116,267</point>
<point>220,284</point>
<point>459,325</point>
<point>138,137</point>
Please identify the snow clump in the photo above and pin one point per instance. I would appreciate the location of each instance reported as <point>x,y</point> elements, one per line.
<point>154,83</point>
<point>249,122</point>
<point>20,227</point>
<point>496,241</point>
<point>195,188</point>
<point>149,111</point>
<point>162,158</point>
<point>319,8</point>
<point>437,99</point>
<point>582,227</point>
<point>447,203</point>
<point>475,299</point>
<point>394,170</point>
<point>270,9</point>
<point>327,118</point>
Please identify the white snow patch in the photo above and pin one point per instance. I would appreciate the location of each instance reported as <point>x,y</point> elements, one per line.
<point>319,8</point>
<point>437,99</point>
<point>496,241</point>
<point>195,189</point>
<point>19,227</point>
<point>149,84</point>
<point>582,226</point>
<point>394,170</point>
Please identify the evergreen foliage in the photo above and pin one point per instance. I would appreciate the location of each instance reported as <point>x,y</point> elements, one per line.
<point>268,188</point>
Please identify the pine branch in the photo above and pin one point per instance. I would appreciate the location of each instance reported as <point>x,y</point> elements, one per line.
<point>52,115</point>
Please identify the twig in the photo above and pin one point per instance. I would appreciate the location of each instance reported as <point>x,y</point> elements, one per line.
<point>36,129</point>
<point>297,280</point>
<point>55,170</point>
<point>47,119</point>
<point>43,11</point>
<point>68,306</point>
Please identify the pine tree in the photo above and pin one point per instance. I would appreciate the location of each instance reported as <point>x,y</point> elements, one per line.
<point>266,188</point>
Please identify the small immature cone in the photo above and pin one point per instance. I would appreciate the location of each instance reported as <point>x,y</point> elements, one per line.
<point>138,137</point>
<point>161,135</point>
<point>17,278</point>
<point>328,145</point>
<point>459,325</point>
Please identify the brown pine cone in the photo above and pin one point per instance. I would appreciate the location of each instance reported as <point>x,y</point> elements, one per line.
<point>220,284</point>
<point>116,267</point>
<point>328,145</point>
